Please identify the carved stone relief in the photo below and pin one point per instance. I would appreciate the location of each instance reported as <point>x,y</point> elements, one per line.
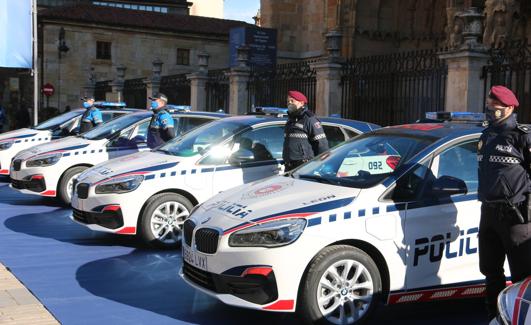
<point>502,23</point>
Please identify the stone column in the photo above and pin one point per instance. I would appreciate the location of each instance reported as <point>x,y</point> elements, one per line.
<point>464,87</point>
<point>153,84</point>
<point>328,75</point>
<point>198,82</point>
<point>118,84</point>
<point>239,79</point>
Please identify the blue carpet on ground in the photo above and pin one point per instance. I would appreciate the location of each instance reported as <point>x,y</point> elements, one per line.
<point>84,277</point>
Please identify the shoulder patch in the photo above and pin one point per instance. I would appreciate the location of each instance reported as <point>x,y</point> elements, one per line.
<point>317,125</point>
<point>524,128</point>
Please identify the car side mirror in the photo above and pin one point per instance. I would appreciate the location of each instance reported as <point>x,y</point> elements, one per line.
<point>448,185</point>
<point>241,156</point>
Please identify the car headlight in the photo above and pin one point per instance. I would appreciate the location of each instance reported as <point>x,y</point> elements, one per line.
<point>270,234</point>
<point>120,185</point>
<point>6,145</point>
<point>506,302</point>
<point>44,161</point>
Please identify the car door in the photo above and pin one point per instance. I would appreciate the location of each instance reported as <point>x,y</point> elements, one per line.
<point>254,154</point>
<point>441,230</point>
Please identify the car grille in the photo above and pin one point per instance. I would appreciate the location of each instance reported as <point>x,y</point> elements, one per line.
<point>188,231</point>
<point>17,184</point>
<point>82,190</point>
<point>206,240</point>
<point>199,277</point>
<point>17,164</point>
<point>81,216</point>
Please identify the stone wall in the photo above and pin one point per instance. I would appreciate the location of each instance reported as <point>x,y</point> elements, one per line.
<point>136,49</point>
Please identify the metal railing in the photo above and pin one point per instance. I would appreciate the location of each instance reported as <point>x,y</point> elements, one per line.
<point>511,66</point>
<point>393,89</point>
<point>177,88</point>
<point>101,89</point>
<point>135,93</point>
<point>217,90</point>
<point>269,87</point>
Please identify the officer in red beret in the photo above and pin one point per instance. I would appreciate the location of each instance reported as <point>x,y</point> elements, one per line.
<point>504,156</point>
<point>304,137</point>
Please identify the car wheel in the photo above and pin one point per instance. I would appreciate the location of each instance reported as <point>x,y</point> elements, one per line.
<point>342,286</point>
<point>64,192</point>
<point>163,218</point>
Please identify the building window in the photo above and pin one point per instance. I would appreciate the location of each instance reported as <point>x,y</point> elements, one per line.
<point>103,50</point>
<point>183,56</point>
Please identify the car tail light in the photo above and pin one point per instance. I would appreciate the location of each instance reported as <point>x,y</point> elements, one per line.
<point>392,161</point>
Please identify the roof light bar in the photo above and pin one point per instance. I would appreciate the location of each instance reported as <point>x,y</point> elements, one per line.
<point>179,108</point>
<point>456,116</point>
<point>109,104</point>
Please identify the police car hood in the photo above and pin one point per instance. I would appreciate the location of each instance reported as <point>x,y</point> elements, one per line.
<point>271,199</point>
<point>20,134</point>
<point>138,163</point>
<point>59,146</point>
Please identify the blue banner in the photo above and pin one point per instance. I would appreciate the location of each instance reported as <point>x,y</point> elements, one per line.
<point>16,50</point>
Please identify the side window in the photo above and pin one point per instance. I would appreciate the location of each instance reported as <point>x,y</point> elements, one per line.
<point>334,135</point>
<point>459,161</point>
<point>264,143</point>
<point>140,133</point>
<point>189,123</point>
<point>107,116</point>
<point>124,140</point>
<point>351,134</point>
<point>409,187</point>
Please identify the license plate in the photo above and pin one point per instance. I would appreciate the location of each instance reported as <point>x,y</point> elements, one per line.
<point>194,259</point>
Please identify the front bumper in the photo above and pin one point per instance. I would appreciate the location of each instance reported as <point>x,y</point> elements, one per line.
<point>35,183</point>
<point>108,218</point>
<point>111,213</point>
<point>254,288</point>
<point>36,180</point>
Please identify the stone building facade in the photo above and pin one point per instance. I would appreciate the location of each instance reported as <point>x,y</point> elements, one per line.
<point>100,39</point>
<point>371,27</point>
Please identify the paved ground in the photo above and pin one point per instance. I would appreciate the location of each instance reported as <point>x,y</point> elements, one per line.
<point>18,305</point>
<point>88,278</point>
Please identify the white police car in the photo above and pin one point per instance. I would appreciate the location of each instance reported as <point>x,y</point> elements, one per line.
<point>152,193</point>
<point>514,304</point>
<point>13,142</point>
<point>50,169</point>
<point>331,241</point>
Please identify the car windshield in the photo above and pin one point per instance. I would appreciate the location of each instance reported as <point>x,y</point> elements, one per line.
<point>199,140</point>
<point>110,128</point>
<point>363,162</point>
<point>55,122</point>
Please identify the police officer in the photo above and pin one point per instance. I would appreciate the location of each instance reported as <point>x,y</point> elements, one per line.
<point>92,116</point>
<point>161,126</point>
<point>504,187</point>
<point>304,137</point>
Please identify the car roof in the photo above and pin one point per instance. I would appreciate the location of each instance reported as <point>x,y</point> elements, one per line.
<point>435,131</point>
<point>257,119</point>
<point>192,113</point>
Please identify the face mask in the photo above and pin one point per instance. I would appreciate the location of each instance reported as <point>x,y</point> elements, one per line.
<point>292,108</point>
<point>86,105</point>
<point>154,105</point>
<point>495,115</point>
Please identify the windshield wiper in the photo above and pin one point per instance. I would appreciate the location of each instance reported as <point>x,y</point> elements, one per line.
<point>320,179</point>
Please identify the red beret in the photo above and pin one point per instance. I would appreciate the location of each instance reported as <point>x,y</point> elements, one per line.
<point>297,95</point>
<point>504,95</point>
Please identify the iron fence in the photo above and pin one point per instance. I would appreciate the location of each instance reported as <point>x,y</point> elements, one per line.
<point>511,66</point>
<point>393,89</point>
<point>269,87</point>
<point>177,88</point>
<point>135,93</point>
<point>101,89</point>
<point>217,90</point>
